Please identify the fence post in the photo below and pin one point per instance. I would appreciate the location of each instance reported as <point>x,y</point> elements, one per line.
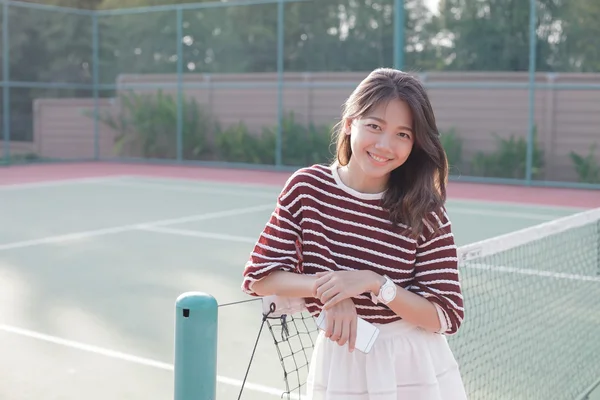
<point>399,34</point>
<point>280,58</point>
<point>532,67</point>
<point>196,335</point>
<point>179,84</point>
<point>95,80</point>
<point>5,79</point>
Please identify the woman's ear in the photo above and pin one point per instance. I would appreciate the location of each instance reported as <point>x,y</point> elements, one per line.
<point>347,126</point>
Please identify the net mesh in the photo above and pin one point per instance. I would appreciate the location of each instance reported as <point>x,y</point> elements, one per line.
<point>294,337</point>
<point>532,321</point>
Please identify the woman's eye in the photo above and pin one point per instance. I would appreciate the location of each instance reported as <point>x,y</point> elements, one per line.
<point>406,135</point>
<point>373,126</point>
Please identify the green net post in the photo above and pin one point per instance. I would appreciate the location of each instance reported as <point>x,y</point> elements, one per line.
<point>196,347</point>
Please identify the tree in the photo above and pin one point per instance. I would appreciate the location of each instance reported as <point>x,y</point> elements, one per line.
<point>47,46</point>
<point>489,35</point>
<point>577,44</point>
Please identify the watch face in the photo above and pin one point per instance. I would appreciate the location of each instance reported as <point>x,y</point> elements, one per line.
<point>388,293</point>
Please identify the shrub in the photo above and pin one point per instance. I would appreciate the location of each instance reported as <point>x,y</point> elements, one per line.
<point>147,125</point>
<point>452,144</point>
<point>237,144</point>
<point>587,167</point>
<point>302,145</point>
<point>509,160</point>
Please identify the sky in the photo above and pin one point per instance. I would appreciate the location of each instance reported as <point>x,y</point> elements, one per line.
<point>432,4</point>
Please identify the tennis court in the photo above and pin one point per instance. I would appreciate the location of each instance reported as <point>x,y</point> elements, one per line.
<point>90,269</point>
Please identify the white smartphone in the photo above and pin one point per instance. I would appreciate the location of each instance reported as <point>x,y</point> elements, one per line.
<point>366,333</point>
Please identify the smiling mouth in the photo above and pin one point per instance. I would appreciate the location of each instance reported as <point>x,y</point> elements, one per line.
<point>377,158</point>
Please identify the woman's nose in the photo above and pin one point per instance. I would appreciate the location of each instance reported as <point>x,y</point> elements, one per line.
<point>383,141</point>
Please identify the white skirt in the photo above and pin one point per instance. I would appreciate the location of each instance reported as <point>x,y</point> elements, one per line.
<point>405,363</point>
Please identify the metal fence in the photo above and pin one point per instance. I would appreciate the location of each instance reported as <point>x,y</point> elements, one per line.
<point>261,82</point>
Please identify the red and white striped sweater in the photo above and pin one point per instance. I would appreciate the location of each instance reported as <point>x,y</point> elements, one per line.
<point>320,224</point>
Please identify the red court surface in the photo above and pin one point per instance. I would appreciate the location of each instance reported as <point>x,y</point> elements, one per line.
<point>584,198</point>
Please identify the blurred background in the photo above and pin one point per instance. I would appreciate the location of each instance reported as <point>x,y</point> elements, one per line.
<point>515,84</point>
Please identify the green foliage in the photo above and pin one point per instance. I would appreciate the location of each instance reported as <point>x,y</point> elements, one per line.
<point>509,160</point>
<point>147,125</point>
<point>80,4</point>
<point>493,35</point>
<point>338,35</point>
<point>588,168</point>
<point>238,144</point>
<point>578,46</point>
<point>452,144</point>
<point>22,158</point>
<point>301,145</point>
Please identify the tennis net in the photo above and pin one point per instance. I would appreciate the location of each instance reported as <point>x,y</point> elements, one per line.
<point>532,325</point>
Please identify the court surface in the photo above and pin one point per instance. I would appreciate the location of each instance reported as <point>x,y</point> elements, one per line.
<point>90,270</point>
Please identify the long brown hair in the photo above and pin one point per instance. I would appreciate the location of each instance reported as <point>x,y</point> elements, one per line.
<point>418,186</point>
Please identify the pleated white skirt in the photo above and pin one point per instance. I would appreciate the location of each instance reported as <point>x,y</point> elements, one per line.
<point>405,363</point>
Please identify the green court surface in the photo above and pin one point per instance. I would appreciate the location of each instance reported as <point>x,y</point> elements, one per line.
<point>90,270</point>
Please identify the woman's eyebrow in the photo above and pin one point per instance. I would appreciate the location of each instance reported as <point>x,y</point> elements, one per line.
<point>383,121</point>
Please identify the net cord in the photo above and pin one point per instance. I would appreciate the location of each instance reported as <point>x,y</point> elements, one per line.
<point>523,236</point>
<point>585,395</point>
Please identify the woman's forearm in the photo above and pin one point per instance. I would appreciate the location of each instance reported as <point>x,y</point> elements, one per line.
<point>287,284</point>
<point>415,309</point>
<point>411,307</point>
<point>408,305</point>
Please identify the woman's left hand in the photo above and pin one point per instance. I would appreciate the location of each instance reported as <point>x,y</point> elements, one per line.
<point>333,287</point>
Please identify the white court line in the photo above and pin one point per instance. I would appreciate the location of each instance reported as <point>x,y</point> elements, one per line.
<point>535,272</point>
<point>532,206</point>
<point>130,358</point>
<point>199,234</point>
<point>502,214</point>
<point>487,267</point>
<point>59,182</point>
<point>213,190</point>
<point>209,182</point>
<point>202,217</point>
<point>187,189</point>
<point>124,228</point>
<point>278,186</point>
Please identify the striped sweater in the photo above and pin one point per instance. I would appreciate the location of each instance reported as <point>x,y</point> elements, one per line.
<point>320,224</point>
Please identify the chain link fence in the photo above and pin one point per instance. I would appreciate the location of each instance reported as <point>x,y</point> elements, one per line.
<point>261,82</point>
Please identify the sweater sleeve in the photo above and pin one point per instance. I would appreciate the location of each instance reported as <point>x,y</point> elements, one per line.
<point>436,272</point>
<point>278,247</point>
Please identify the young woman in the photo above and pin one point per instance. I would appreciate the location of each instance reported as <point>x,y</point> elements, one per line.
<point>369,237</point>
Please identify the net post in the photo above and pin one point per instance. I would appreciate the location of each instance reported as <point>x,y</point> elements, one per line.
<point>195,368</point>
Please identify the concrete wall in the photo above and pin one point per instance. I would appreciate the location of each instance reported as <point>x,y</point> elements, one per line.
<point>18,148</point>
<point>567,119</point>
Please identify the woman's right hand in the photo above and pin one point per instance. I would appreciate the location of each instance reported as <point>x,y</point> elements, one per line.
<point>342,323</point>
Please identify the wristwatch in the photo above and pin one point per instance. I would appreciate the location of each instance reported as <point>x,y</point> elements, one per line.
<point>387,292</point>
